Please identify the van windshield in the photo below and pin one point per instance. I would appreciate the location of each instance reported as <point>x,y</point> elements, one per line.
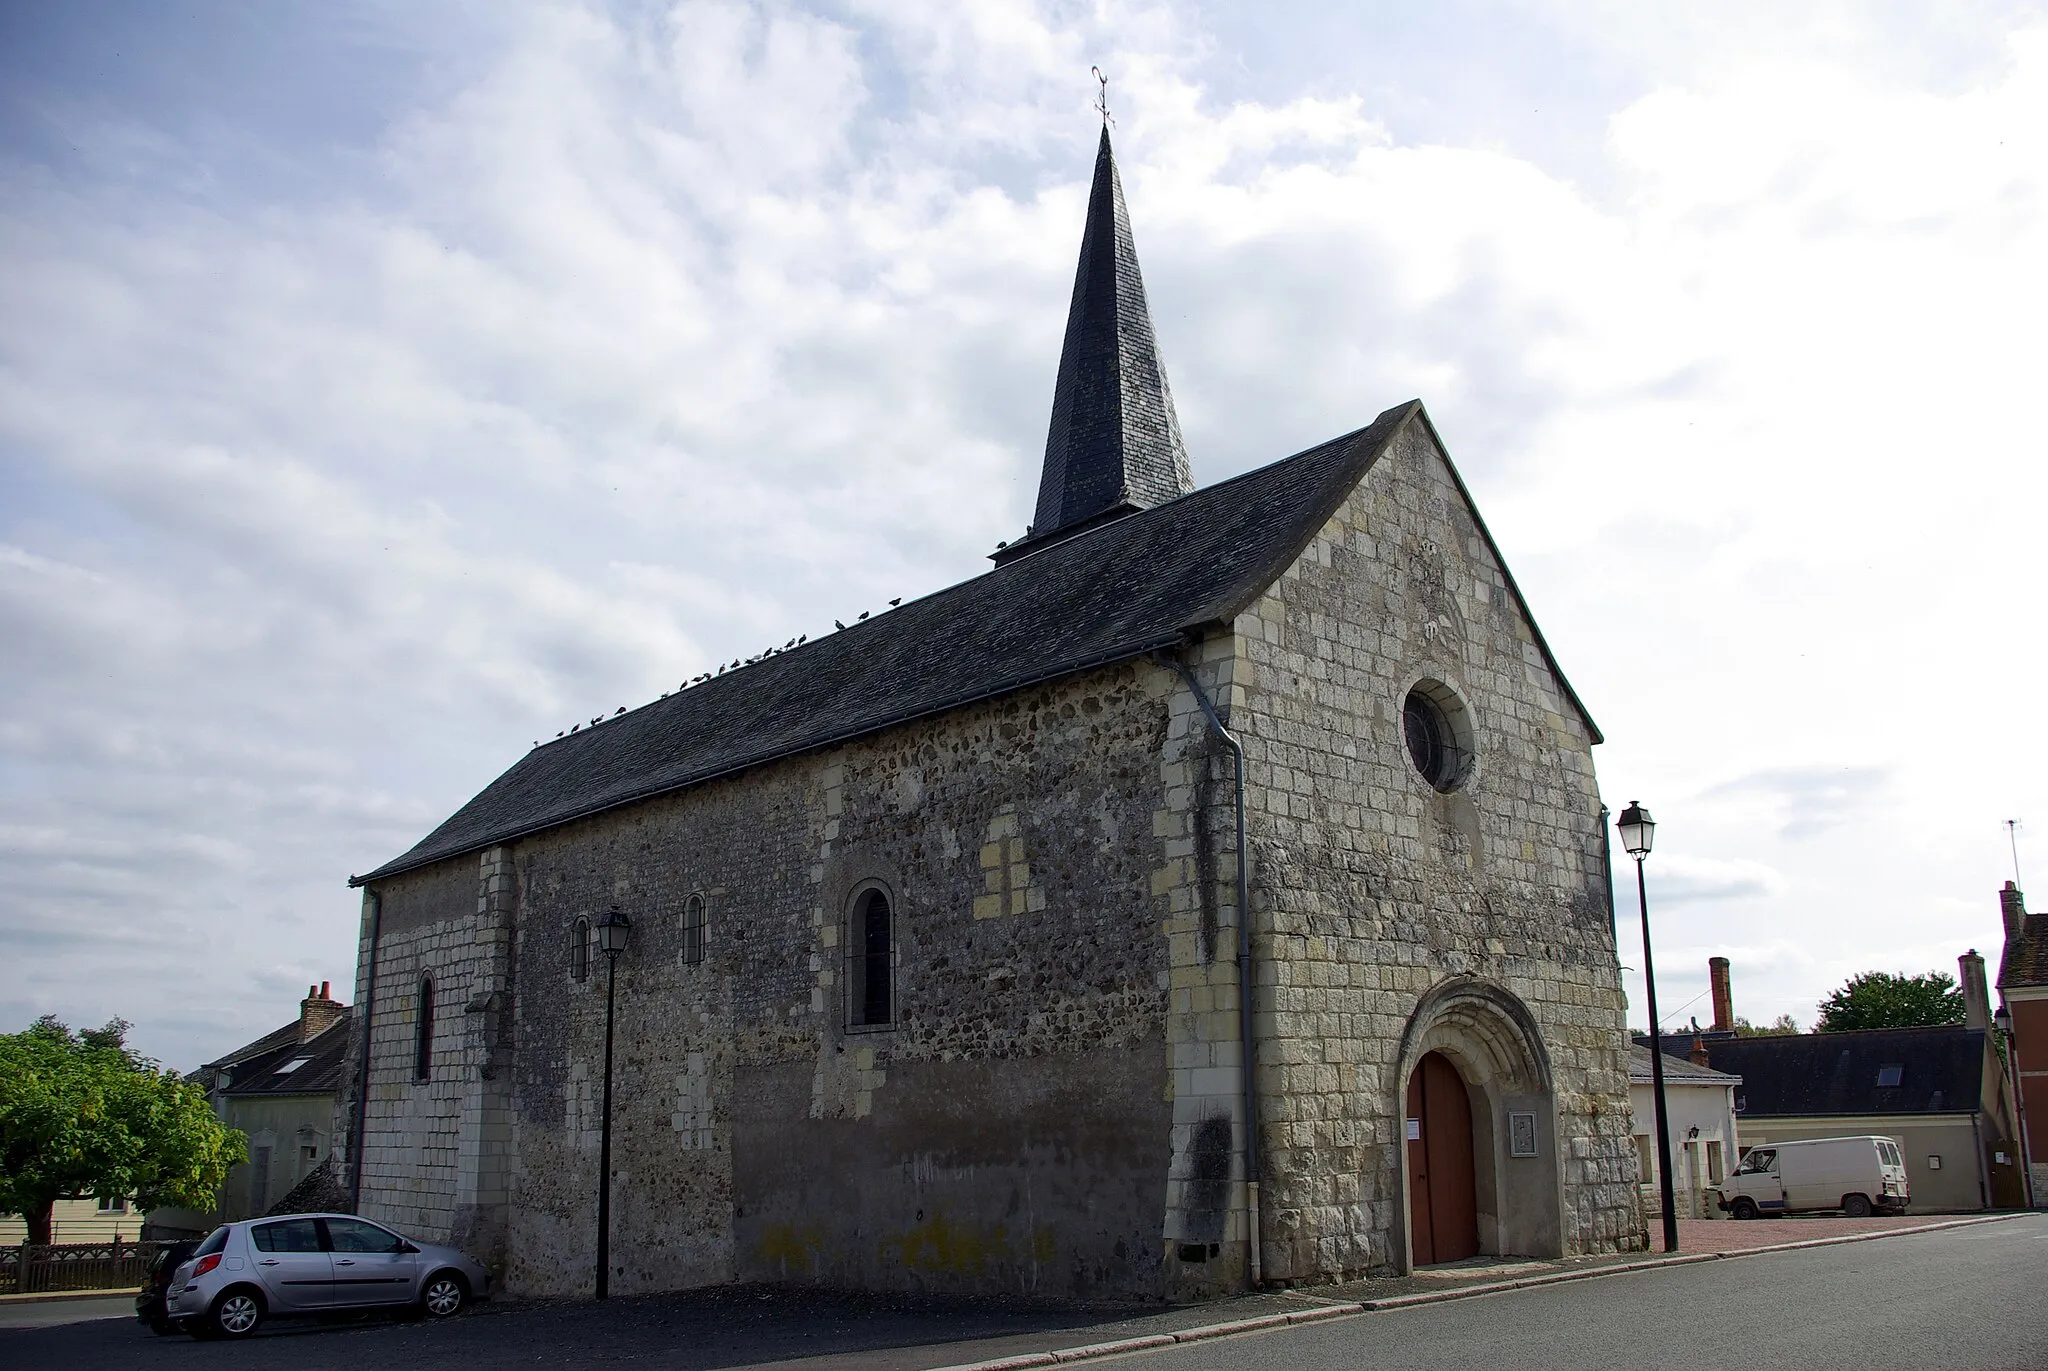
<point>1759,1159</point>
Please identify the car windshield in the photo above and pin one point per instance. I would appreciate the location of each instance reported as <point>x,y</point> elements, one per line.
<point>215,1241</point>
<point>1758,1160</point>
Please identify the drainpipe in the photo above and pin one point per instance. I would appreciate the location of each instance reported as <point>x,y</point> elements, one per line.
<point>1244,977</point>
<point>1607,865</point>
<point>362,1121</point>
<point>1983,1161</point>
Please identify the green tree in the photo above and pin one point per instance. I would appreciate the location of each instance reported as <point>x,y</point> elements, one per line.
<point>81,1115</point>
<point>1784,1026</point>
<point>1878,999</point>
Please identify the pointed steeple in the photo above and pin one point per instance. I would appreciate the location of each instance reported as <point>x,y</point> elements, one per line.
<point>1114,445</point>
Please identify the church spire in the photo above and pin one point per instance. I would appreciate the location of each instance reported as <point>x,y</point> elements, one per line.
<point>1114,445</point>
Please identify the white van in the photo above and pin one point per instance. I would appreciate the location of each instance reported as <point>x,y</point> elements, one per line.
<point>1859,1176</point>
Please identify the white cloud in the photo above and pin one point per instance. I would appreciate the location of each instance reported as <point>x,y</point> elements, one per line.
<point>632,344</point>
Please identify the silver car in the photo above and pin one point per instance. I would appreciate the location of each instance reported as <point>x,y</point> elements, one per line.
<point>303,1265</point>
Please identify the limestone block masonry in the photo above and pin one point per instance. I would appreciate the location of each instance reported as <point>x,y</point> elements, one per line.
<point>1053,1103</point>
<point>1376,888</point>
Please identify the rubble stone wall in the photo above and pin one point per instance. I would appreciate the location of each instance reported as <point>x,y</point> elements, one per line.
<point>1007,1131</point>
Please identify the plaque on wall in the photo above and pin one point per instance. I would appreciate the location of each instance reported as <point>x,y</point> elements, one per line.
<point>1521,1135</point>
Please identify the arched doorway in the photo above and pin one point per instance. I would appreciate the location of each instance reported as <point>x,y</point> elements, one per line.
<point>1490,1087</point>
<point>1443,1203</point>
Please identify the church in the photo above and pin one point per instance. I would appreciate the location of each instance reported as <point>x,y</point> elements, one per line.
<point>1213,893</point>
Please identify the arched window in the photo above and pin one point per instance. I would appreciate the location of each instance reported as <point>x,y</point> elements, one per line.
<point>871,948</point>
<point>693,929</point>
<point>579,951</point>
<point>423,1033</point>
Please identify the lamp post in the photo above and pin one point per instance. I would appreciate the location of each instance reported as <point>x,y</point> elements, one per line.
<point>1637,829</point>
<point>611,938</point>
<point>2003,1018</point>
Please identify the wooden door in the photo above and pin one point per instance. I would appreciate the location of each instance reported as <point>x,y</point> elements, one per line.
<point>1443,1197</point>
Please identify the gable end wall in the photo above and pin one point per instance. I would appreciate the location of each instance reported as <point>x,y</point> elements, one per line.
<point>1371,887</point>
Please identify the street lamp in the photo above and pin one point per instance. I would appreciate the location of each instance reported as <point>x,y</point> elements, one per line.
<point>1637,829</point>
<point>612,933</point>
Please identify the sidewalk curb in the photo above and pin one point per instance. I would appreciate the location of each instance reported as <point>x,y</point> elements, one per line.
<point>1023,1361</point>
<point>44,1296</point>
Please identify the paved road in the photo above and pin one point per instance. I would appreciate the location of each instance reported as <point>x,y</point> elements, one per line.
<point>1969,1299</point>
<point>1966,1298</point>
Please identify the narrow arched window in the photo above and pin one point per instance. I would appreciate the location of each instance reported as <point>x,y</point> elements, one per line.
<point>579,950</point>
<point>423,1033</point>
<point>693,929</point>
<point>871,943</point>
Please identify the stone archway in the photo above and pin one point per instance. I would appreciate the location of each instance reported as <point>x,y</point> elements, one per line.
<point>1486,1035</point>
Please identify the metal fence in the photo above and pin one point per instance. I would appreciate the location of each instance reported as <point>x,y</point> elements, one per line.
<point>28,1270</point>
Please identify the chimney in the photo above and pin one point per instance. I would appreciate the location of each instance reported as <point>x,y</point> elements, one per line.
<point>318,1013</point>
<point>1976,998</point>
<point>1699,1052</point>
<point>1724,998</point>
<point>2013,905</point>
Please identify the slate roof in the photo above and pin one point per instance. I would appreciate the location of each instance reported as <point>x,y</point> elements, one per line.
<point>1114,441</point>
<point>259,1073</point>
<point>1677,1070</point>
<point>1144,581</point>
<point>1118,591</point>
<point>1941,1071</point>
<point>264,1046</point>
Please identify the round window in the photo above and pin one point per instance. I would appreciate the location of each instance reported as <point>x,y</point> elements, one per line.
<point>1435,725</point>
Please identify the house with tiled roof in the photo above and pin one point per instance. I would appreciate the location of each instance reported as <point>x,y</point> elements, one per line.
<point>280,1090</point>
<point>1700,1113</point>
<point>1940,1092</point>
<point>1212,893</point>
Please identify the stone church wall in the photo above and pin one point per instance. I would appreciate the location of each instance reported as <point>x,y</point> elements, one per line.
<point>1057,1107</point>
<point>1372,887</point>
<point>430,1143</point>
<point>1009,1132</point>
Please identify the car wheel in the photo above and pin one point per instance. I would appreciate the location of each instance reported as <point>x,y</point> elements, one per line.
<point>443,1295</point>
<point>235,1314</point>
<point>1743,1208</point>
<point>1856,1206</point>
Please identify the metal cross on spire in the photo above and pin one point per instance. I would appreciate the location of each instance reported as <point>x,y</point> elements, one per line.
<point>1102,97</point>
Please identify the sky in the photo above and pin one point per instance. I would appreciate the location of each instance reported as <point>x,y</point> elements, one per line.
<point>386,387</point>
